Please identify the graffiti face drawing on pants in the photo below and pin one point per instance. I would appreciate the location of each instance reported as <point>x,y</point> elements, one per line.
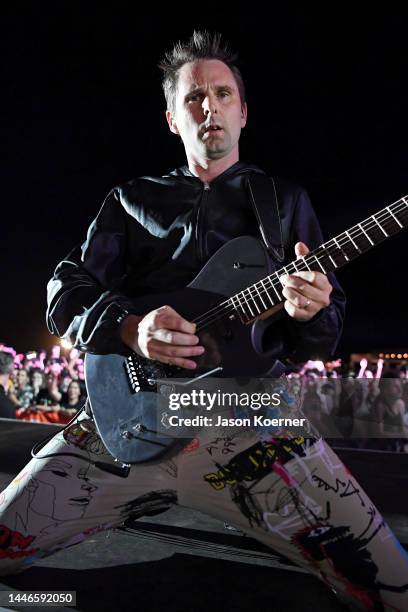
<point>61,491</point>
<point>74,491</point>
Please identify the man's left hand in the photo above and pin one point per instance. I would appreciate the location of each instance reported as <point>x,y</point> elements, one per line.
<point>306,292</point>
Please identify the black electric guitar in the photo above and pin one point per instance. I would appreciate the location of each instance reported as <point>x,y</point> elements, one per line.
<point>229,299</point>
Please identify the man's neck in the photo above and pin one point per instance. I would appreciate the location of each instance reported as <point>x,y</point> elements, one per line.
<point>214,167</point>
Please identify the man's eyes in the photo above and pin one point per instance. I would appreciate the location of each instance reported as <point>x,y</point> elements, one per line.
<point>223,93</point>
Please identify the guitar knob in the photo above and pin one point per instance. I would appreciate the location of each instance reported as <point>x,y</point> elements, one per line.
<point>127,435</point>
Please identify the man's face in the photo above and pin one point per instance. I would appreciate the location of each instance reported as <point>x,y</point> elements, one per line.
<point>208,112</point>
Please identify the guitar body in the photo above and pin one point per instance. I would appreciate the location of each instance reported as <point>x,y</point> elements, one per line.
<point>227,301</point>
<point>123,398</point>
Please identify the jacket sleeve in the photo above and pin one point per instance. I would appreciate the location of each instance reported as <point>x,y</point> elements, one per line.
<point>85,304</point>
<point>319,337</point>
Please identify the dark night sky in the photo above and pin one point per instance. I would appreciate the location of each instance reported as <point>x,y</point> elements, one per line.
<point>328,104</point>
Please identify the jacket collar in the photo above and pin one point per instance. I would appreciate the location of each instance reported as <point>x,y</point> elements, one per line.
<point>239,167</point>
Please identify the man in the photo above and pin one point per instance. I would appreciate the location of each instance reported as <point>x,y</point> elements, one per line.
<point>23,393</point>
<point>7,407</point>
<point>154,235</point>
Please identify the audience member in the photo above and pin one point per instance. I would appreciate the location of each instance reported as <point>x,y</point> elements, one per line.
<point>7,407</point>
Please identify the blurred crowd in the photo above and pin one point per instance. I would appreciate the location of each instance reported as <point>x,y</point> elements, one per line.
<point>41,387</point>
<point>364,405</point>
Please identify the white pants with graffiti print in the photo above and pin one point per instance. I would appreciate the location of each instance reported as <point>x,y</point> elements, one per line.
<point>293,495</point>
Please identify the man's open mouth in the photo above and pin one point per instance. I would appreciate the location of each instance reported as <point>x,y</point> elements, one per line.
<point>212,128</point>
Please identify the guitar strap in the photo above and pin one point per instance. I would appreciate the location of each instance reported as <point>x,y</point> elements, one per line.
<point>264,200</point>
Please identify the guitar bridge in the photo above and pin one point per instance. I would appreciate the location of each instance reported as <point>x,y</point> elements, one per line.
<point>144,374</point>
<point>132,374</point>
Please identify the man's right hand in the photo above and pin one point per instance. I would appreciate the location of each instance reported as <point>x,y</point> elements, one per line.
<point>162,335</point>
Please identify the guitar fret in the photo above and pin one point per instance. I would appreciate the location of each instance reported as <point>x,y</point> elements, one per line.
<point>234,306</point>
<point>244,313</point>
<point>266,291</point>
<point>326,248</point>
<point>401,211</point>
<point>247,303</point>
<point>337,253</point>
<point>305,262</point>
<point>394,217</point>
<point>365,234</point>
<point>275,289</point>
<point>354,244</point>
<point>239,301</point>
<point>295,264</point>
<point>260,297</point>
<point>317,259</point>
<point>332,260</point>
<point>381,228</point>
<point>340,249</point>
<point>253,298</point>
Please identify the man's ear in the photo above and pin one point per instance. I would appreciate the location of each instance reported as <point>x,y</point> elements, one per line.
<point>244,114</point>
<point>172,122</point>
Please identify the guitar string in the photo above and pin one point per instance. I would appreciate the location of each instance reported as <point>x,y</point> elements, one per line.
<point>261,291</point>
<point>342,239</point>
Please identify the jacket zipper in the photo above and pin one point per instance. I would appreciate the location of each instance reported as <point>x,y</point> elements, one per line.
<point>199,241</point>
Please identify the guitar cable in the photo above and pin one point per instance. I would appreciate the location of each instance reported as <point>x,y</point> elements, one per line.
<point>122,471</point>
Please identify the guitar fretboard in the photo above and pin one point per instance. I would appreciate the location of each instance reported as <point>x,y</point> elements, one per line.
<point>266,293</point>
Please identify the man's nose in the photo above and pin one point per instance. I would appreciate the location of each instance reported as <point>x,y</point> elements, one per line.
<point>210,104</point>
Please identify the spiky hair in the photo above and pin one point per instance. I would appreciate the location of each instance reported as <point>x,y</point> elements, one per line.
<point>201,45</point>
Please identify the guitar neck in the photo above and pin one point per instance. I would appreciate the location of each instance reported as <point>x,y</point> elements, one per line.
<point>266,294</point>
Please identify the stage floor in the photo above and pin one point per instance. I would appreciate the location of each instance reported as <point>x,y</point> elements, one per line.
<point>183,560</point>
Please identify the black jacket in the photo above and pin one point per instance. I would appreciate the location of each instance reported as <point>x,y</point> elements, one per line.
<point>7,408</point>
<point>154,234</point>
